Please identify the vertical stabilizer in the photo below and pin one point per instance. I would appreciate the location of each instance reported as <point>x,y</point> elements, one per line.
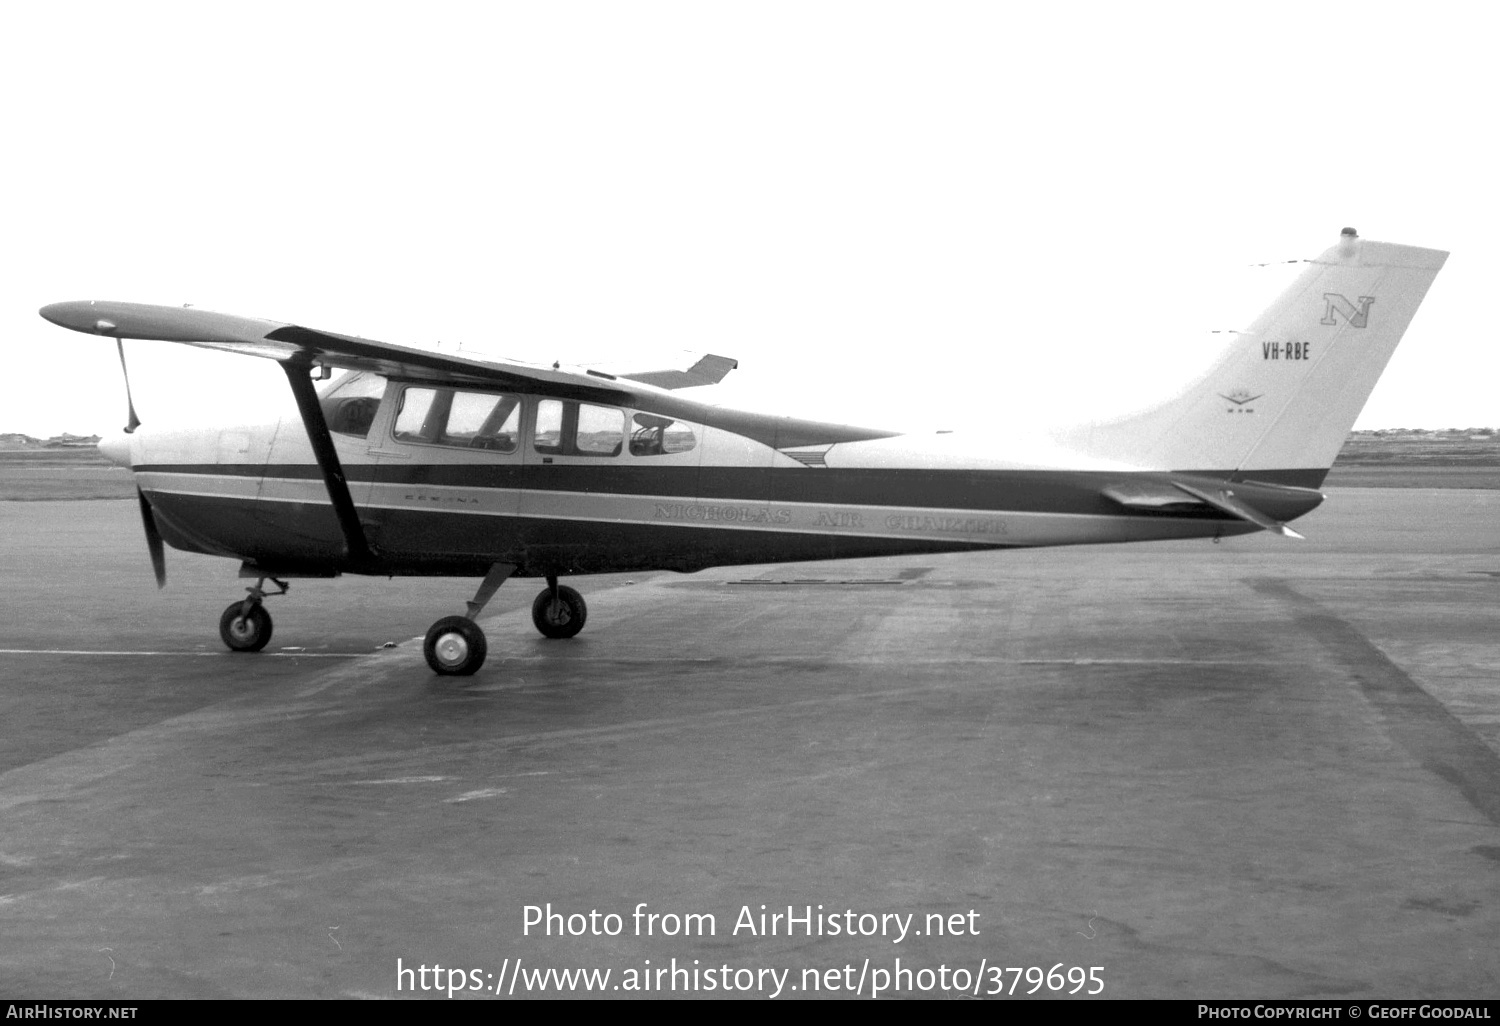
<point>1286,393</point>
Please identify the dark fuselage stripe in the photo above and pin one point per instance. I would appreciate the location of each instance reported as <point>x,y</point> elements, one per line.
<point>1021,491</point>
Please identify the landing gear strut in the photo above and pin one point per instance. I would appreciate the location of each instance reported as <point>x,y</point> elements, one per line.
<point>245,625</point>
<point>455,646</point>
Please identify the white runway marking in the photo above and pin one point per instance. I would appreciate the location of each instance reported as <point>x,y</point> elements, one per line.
<point>99,652</point>
<point>967,660</point>
<point>469,796</point>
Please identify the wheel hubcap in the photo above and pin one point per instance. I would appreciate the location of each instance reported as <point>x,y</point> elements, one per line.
<point>451,649</point>
<point>242,629</point>
<point>557,613</point>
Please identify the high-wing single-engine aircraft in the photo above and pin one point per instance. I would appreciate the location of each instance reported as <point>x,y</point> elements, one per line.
<point>419,463</point>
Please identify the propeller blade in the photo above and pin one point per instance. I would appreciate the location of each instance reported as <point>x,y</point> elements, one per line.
<point>135,421</point>
<point>153,540</point>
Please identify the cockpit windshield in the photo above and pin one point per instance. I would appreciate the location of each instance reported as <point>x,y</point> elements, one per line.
<point>350,400</point>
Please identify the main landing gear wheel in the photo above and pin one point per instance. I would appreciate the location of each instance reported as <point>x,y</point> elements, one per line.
<point>560,617</point>
<point>455,646</point>
<point>245,631</point>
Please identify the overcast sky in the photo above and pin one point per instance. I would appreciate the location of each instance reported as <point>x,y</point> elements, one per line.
<point>890,213</point>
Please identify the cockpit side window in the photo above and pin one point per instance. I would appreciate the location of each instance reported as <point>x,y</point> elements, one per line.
<point>465,420</point>
<point>651,435</point>
<point>412,424</point>
<point>479,420</point>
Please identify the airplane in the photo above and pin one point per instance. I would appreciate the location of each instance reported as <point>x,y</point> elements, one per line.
<point>418,463</point>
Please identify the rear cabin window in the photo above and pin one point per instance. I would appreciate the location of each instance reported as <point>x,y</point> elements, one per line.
<point>565,428</point>
<point>651,435</point>
<point>462,420</point>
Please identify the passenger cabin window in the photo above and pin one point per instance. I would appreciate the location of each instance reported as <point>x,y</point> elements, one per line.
<point>350,403</point>
<point>463,420</point>
<point>565,428</point>
<point>549,423</point>
<point>651,435</point>
<point>601,430</point>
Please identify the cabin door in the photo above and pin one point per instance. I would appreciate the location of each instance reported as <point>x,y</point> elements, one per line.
<point>445,485</point>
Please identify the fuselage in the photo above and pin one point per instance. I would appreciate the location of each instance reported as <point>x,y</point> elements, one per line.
<point>425,463</point>
<point>452,480</point>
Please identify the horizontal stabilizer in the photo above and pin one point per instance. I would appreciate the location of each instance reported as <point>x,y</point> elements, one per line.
<point>1223,498</point>
<point>1151,494</point>
<point>1265,505</point>
<point>708,371</point>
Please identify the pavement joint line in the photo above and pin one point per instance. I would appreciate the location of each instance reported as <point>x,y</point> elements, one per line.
<point>1432,736</point>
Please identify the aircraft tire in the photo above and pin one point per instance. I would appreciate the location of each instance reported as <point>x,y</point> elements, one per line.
<point>455,647</point>
<point>247,633</point>
<point>564,621</point>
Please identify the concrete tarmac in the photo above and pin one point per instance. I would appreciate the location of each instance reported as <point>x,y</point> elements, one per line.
<point>1259,769</point>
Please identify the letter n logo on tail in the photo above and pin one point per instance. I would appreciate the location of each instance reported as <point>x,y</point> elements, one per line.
<point>1357,317</point>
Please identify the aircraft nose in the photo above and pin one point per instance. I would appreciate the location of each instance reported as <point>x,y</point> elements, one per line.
<point>116,448</point>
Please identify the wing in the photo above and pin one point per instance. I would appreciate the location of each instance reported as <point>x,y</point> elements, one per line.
<point>277,340</point>
<point>295,346</point>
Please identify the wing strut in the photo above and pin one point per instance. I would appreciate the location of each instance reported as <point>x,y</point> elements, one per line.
<point>298,372</point>
<point>135,421</point>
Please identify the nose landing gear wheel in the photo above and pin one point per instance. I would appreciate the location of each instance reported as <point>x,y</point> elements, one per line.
<point>561,618</point>
<point>455,647</point>
<point>245,632</point>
